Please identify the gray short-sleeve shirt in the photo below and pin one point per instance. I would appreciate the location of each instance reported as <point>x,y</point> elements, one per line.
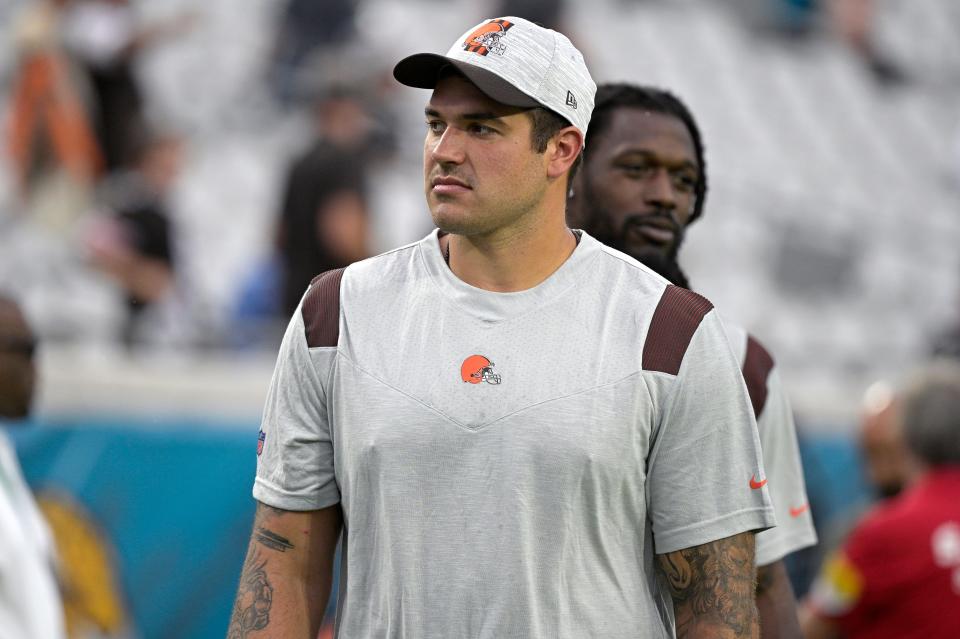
<point>781,451</point>
<point>508,464</point>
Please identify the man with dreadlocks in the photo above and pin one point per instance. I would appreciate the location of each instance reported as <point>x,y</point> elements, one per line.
<point>642,183</point>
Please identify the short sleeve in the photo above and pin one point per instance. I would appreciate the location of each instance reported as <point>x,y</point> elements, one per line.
<point>705,477</point>
<point>295,465</point>
<point>781,460</point>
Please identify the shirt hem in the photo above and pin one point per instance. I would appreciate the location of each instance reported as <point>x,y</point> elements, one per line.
<point>769,552</point>
<point>756,519</point>
<point>270,495</point>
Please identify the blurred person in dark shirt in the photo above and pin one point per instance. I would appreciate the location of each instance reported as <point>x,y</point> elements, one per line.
<point>30,604</point>
<point>106,37</point>
<point>898,574</point>
<point>323,222</point>
<point>133,243</point>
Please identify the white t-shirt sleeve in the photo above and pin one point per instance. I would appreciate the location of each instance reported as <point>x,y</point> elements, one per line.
<point>705,477</point>
<point>295,466</point>
<point>781,458</point>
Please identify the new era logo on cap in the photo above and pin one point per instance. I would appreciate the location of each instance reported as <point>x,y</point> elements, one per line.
<point>571,100</point>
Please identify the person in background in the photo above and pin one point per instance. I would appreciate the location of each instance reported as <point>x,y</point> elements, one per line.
<point>888,463</point>
<point>643,182</point>
<point>106,38</point>
<point>898,574</point>
<point>54,154</point>
<point>323,222</point>
<point>134,242</point>
<point>30,603</point>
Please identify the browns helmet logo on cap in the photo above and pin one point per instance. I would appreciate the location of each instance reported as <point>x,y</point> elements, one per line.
<point>476,369</point>
<point>486,37</point>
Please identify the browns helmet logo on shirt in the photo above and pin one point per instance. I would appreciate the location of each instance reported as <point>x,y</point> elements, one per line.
<point>476,369</point>
<point>486,38</point>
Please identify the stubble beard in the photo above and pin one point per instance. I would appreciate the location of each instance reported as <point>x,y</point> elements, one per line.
<point>478,219</point>
<point>600,225</point>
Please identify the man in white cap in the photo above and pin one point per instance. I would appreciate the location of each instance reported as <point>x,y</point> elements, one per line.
<point>518,431</point>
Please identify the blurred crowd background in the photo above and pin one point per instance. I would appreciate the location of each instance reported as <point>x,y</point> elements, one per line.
<point>174,173</point>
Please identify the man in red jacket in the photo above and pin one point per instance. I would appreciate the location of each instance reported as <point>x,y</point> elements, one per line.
<point>898,575</point>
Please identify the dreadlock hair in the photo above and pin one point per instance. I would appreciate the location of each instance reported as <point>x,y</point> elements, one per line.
<point>613,96</point>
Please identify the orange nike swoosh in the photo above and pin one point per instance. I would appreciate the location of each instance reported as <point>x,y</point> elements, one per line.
<point>796,512</point>
<point>756,485</point>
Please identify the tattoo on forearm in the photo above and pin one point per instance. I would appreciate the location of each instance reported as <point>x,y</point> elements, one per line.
<point>272,540</point>
<point>712,588</point>
<point>251,611</point>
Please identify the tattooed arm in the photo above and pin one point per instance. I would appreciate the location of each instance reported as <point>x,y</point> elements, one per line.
<point>712,589</point>
<point>287,575</point>
<point>776,603</point>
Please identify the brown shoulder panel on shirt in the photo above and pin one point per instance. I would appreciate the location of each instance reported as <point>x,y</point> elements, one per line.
<point>321,309</point>
<point>676,319</point>
<point>757,364</point>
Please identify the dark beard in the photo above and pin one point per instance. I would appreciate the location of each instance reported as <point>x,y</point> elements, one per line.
<point>600,227</point>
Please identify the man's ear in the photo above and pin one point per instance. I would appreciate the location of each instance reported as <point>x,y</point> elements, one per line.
<point>563,150</point>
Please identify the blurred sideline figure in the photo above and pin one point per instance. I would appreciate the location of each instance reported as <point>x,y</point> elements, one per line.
<point>887,461</point>
<point>643,182</point>
<point>887,468</point>
<point>54,153</point>
<point>323,221</point>
<point>898,575</point>
<point>106,38</point>
<point>134,242</point>
<point>30,604</point>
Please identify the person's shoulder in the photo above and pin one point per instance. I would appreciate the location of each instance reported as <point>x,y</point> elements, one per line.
<point>757,365</point>
<point>320,309</point>
<point>676,318</point>
<point>385,270</point>
<point>631,272</point>
<point>370,277</point>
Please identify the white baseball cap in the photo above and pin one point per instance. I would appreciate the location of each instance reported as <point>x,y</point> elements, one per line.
<point>515,62</point>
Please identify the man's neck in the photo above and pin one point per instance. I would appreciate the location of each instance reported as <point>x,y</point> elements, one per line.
<point>511,261</point>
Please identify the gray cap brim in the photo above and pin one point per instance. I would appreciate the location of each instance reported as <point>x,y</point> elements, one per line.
<point>422,70</point>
